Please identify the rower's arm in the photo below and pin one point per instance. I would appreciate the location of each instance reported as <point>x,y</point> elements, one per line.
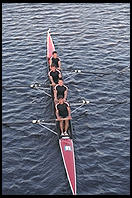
<point>50,63</point>
<point>59,63</point>
<point>69,111</point>
<point>65,94</point>
<point>51,79</point>
<point>55,93</point>
<point>60,76</point>
<point>57,112</point>
<point>50,60</point>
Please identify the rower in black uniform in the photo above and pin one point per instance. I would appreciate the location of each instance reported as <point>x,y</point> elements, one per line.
<point>60,89</point>
<point>54,75</point>
<point>55,60</point>
<point>63,114</point>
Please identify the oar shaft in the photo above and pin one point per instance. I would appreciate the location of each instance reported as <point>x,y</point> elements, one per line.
<point>48,129</point>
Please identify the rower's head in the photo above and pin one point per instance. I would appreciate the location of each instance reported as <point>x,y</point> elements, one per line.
<point>53,68</point>
<point>54,54</point>
<point>60,99</point>
<point>60,81</point>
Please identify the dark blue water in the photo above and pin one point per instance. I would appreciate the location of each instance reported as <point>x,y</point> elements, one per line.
<point>90,37</point>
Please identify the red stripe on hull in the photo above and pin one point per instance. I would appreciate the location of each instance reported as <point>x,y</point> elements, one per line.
<point>67,151</point>
<point>50,46</point>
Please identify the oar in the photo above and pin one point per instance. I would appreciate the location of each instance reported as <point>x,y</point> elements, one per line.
<point>92,72</point>
<point>76,71</point>
<point>48,129</point>
<point>47,122</point>
<point>83,102</point>
<point>50,120</point>
<point>35,85</point>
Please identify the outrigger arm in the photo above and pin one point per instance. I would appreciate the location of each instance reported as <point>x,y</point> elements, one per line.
<point>84,102</point>
<point>43,125</point>
<point>38,86</point>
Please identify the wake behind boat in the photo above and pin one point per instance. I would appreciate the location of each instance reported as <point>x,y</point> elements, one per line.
<point>65,142</point>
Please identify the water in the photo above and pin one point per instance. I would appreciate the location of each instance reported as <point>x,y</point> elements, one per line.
<point>93,38</point>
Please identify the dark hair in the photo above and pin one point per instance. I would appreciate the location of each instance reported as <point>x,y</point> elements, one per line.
<point>60,96</point>
<point>54,52</point>
<point>60,78</point>
<point>52,65</point>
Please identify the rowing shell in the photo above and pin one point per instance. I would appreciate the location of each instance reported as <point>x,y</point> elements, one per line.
<point>65,143</point>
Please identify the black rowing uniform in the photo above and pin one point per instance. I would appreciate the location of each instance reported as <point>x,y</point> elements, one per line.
<point>55,61</point>
<point>62,109</point>
<point>60,90</point>
<point>55,75</point>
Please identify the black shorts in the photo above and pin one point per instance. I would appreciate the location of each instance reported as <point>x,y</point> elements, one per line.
<point>63,116</point>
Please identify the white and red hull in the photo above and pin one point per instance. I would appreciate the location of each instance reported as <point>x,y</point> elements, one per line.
<point>67,151</point>
<point>50,45</point>
<point>65,143</point>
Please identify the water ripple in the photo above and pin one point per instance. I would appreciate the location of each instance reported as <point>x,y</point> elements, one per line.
<point>95,39</point>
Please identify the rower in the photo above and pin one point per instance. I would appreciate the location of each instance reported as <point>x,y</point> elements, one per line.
<point>60,89</point>
<point>55,60</point>
<point>54,75</point>
<point>63,114</point>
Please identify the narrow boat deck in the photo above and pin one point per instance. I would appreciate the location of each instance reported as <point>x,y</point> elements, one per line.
<point>65,142</point>
<point>50,49</point>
